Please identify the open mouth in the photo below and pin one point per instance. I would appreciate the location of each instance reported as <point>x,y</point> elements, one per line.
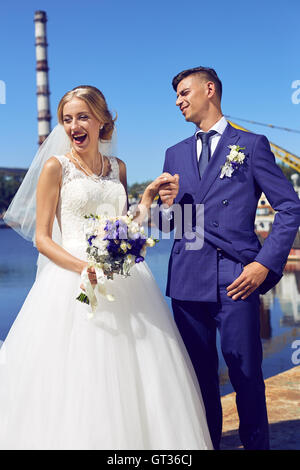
<point>79,138</point>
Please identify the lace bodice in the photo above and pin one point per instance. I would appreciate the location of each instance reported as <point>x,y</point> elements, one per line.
<point>82,195</point>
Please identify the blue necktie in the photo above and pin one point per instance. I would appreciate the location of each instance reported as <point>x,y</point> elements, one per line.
<point>205,152</point>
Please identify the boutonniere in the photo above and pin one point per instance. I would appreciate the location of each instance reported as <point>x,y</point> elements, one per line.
<point>233,160</point>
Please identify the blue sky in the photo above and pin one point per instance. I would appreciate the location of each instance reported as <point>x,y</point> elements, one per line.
<point>132,49</point>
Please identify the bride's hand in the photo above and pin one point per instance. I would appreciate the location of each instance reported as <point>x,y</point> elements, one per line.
<point>152,189</point>
<point>92,277</point>
<point>165,180</point>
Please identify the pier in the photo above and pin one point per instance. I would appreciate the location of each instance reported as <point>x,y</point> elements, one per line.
<point>283,405</point>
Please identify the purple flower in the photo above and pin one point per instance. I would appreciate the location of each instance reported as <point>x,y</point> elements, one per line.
<point>112,247</point>
<point>90,239</point>
<point>109,226</point>
<point>136,245</point>
<point>122,233</point>
<point>139,259</point>
<point>116,230</point>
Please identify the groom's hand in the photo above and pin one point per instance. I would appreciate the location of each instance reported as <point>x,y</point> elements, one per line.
<point>168,191</point>
<point>248,281</point>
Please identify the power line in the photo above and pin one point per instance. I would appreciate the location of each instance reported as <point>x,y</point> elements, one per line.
<point>296,131</point>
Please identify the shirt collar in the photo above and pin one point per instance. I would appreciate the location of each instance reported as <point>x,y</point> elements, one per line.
<point>219,126</point>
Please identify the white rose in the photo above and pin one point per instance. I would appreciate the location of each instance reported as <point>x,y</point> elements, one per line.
<point>150,242</point>
<point>240,157</point>
<point>100,244</point>
<point>233,154</point>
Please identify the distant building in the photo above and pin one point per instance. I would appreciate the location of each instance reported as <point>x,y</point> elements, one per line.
<point>264,216</point>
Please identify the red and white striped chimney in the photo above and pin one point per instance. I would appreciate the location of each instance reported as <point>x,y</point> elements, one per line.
<point>42,81</point>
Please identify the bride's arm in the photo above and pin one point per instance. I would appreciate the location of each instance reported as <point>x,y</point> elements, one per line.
<point>47,199</point>
<point>150,192</point>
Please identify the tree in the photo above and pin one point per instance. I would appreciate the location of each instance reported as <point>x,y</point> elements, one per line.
<point>136,189</point>
<point>8,188</point>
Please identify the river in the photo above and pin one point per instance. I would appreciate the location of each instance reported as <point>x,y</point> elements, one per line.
<point>280,308</point>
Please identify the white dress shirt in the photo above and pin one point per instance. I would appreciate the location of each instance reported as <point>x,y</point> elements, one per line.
<point>219,127</point>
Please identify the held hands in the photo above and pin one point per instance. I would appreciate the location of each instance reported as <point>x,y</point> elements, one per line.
<point>165,182</point>
<point>166,185</point>
<point>250,279</point>
<point>169,189</point>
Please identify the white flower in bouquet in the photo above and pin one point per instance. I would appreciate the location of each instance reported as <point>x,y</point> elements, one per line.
<point>114,246</point>
<point>150,242</point>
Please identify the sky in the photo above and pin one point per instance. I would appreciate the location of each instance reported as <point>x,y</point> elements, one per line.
<point>132,49</point>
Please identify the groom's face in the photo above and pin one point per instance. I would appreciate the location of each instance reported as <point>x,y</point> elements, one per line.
<point>192,98</point>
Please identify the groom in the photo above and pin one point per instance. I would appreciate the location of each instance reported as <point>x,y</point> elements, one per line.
<point>217,285</point>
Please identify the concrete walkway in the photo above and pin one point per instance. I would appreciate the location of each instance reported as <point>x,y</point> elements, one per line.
<point>283,404</point>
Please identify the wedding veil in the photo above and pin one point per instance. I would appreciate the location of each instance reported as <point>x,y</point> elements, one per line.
<point>21,214</point>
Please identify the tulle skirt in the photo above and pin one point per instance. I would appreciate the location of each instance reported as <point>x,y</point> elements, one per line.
<point>121,380</point>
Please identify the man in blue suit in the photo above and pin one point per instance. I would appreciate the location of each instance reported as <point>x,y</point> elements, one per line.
<point>218,285</point>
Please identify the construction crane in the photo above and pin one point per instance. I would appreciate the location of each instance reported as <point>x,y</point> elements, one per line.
<point>284,155</point>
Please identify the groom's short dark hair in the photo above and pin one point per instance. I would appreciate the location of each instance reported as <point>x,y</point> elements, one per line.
<point>208,73</point>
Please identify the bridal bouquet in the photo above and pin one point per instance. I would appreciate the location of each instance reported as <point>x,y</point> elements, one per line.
<point>114,246</point>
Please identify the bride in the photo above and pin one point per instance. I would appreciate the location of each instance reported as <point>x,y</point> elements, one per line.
<point>122,379</point>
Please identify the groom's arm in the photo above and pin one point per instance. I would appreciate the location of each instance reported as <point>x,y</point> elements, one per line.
<point>283,199</point>
<point>163,214</point>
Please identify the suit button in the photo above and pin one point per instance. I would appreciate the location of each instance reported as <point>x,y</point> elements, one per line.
<point>225,202</point>
<point>215,223</point>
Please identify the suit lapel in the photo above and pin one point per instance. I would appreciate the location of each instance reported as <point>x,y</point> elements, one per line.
<point>213,169</point>
<point>190,164</point>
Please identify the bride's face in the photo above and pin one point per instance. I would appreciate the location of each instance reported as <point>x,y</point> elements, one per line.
<point>81,125</point>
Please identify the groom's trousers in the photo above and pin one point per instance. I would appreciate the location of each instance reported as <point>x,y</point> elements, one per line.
<point>239,327</point>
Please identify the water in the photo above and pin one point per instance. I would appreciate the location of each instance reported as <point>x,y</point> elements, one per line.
<point>280,308</point>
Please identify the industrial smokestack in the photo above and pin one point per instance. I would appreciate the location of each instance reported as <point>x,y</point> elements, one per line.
<point>43,102</point>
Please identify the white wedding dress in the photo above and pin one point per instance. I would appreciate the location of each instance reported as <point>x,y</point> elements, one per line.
<point>121,380</point>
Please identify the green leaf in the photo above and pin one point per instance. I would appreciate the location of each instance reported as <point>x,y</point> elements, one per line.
<point>83,298</point>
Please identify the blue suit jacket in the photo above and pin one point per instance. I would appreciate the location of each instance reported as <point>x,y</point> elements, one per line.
<point>229,213</point>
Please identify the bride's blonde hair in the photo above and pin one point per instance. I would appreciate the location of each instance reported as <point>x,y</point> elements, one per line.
<point>97,103</point>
